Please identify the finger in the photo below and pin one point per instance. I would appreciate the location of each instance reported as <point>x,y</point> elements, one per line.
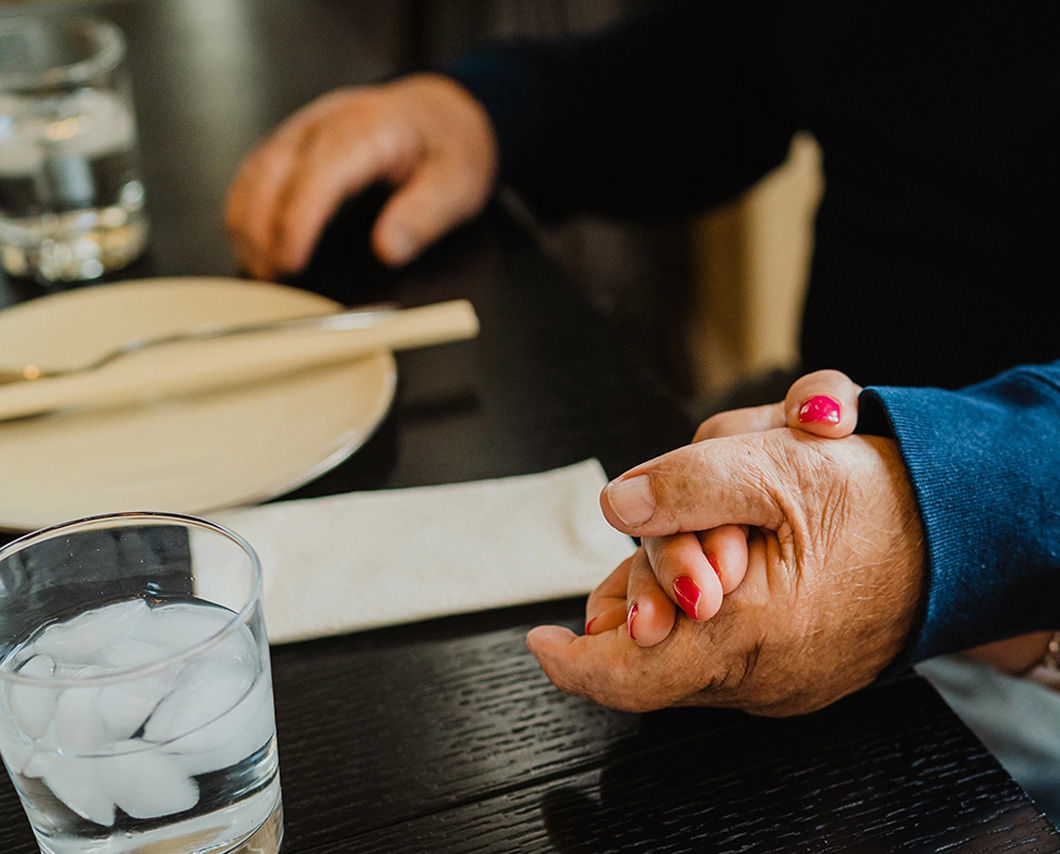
<point>605,608</point>
<point>751,419</point>
<point>253,198</point>
<point>610,669</point>
<point>684,571</point>
<point>336,161</point>
<point>725,548</point>
<point>578,668</point>
<point>730,480</point>
<point>606,668</point>
<point>824,403</point>
<point>607,619</point>
<point>431,202</point>
<point>650,612</point>
<point>251,202</point>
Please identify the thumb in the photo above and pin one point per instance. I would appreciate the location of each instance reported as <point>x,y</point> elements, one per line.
<point>730,480</point>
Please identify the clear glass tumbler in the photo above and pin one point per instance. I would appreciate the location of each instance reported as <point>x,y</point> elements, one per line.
<point>71,196</point>
<point>136,707</point>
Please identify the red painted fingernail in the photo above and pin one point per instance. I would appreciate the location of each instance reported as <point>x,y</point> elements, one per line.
<point>629,620</point>
<point>589,625</point>
<point>820,409</point>
<point>687,595</point>
<point>713,561</point>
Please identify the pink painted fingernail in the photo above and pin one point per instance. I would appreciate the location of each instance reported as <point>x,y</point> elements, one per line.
<point>820,409</point>
<point>589,625</point>
<point>629,620</point>
<point>687,595</point>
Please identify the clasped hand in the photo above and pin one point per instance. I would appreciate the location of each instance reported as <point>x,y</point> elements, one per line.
<point>798,552</point>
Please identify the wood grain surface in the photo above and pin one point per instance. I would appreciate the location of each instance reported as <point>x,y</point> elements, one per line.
<point>456,742</point>
<point>445,736</point>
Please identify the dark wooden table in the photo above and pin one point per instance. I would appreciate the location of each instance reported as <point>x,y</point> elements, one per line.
<point>445,736</point>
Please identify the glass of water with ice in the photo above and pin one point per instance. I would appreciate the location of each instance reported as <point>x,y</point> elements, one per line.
<point>136,705</point>
<point>71,197</point>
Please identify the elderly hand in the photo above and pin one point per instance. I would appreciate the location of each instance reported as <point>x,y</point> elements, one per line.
<point>834,577</point>
<point>695,570</point>
<point>824,403</point>
<point>423,134</point>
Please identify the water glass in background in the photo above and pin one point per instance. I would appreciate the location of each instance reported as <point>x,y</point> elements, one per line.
<point>71,198</point>
<point>135,692</point>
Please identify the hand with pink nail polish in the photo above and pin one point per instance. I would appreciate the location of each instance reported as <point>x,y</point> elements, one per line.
<point>833,578</point>
<point>424,135</point>
<point>694,571</point>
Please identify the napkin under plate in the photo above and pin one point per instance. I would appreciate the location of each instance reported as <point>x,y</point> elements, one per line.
<point>367,559</point>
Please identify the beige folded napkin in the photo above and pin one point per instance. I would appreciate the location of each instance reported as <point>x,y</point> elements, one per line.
<point>367,559</point>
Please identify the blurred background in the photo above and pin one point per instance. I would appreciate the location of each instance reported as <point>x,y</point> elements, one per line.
<point>710,304</point>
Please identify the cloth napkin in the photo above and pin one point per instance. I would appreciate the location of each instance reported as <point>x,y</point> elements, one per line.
<point>366,559</point>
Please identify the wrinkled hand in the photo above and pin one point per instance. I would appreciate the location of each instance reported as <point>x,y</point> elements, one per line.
<point>424,134</point>
<point>823,403</point>
<point>833,579</point>
<point>695,570</point>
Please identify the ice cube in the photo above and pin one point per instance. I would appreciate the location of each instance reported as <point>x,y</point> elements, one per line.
<point>179,625</point>
<point>238,648</point>
<point>204,690</point>
<point>144,782</point>
<point>80,639</point>
<point>15,750</point>
<point>232,737</point>
<point>40,666</point>
<point>78,725</point>
<point>75,780</point>
<point>125,706</point>
<point>37,764</point>
<point>34,707</point>
<point>130,653</point>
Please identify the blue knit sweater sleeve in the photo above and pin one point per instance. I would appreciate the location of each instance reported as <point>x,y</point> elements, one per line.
<point>985,468</point>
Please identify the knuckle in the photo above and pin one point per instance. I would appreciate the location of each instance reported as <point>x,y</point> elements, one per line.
<point>267,163</point>
<point>387,143</point>
<point>797,463</point>
<point>332,106</point>
<point>318,144</point>
<point>812,490</point>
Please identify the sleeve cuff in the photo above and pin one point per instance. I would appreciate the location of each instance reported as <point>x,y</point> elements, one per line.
<point>984,465</point>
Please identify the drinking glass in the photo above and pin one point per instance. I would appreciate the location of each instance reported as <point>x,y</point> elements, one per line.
<point>135,692</point>
<point>71,197</point>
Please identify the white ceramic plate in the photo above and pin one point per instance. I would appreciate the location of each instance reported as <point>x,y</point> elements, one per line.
<point>191,454</point>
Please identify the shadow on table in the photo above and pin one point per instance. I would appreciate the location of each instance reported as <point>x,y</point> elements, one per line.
<point>843,779</point>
